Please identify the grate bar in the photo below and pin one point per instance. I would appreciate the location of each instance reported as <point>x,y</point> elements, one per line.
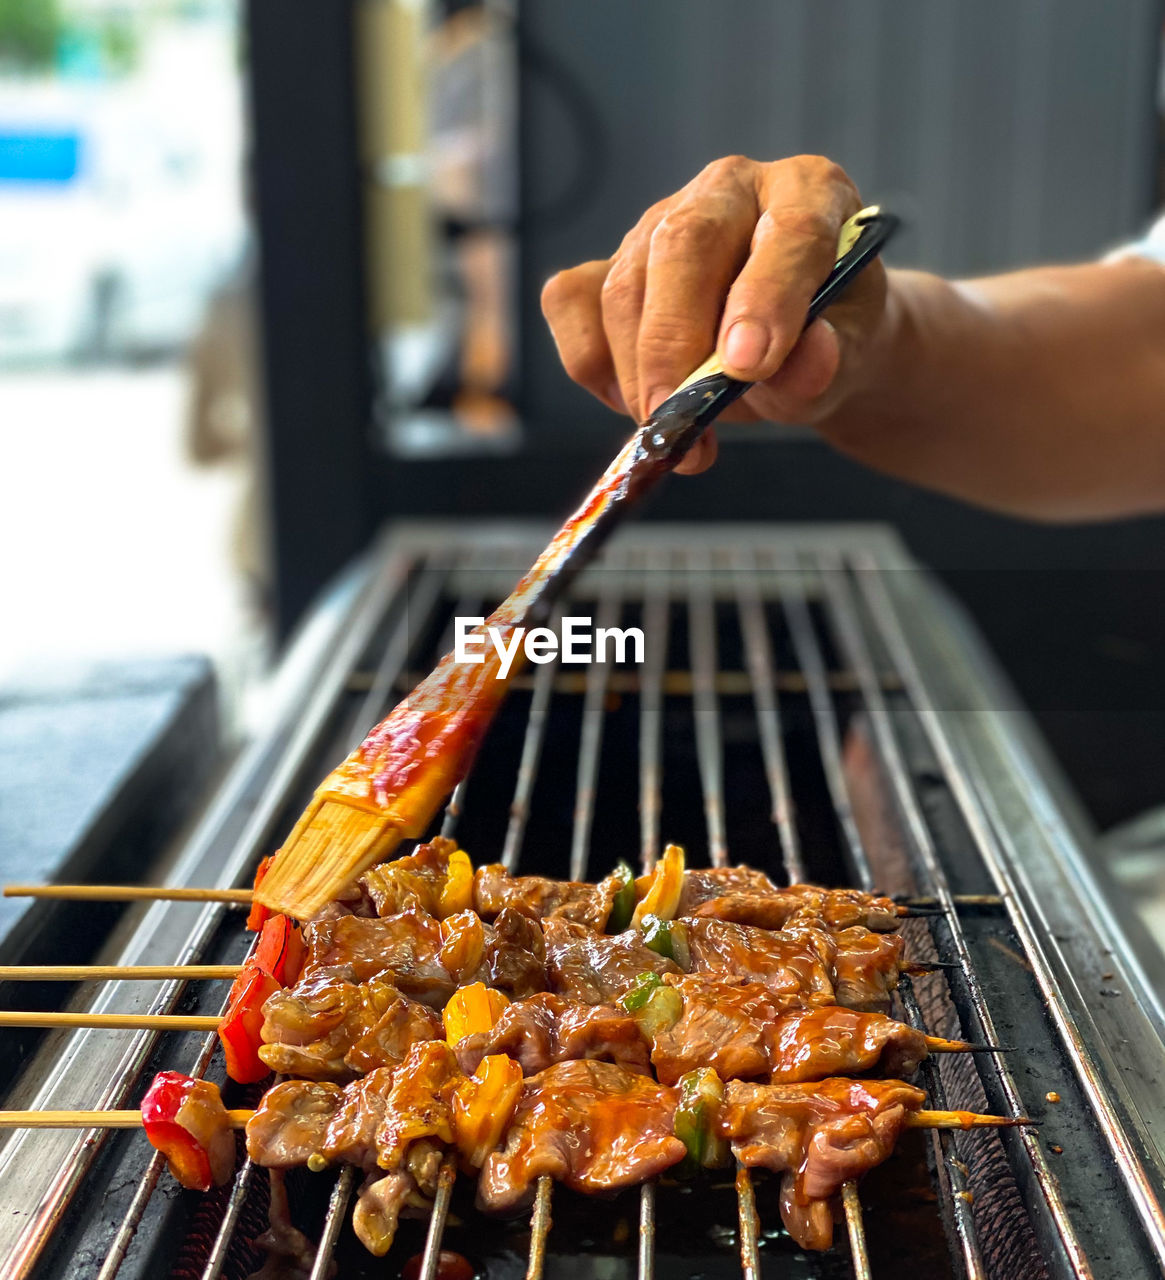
<point>812,661</point>
<point>647,1231</point>
<point>763,677</point>
<point>857,1231</point>
<point>539,1228</point>
<point>423,601</point>
<point>591,738</point>
<point>439,1215</point>
<point>467,607</point>
<point>333,1224</point>
<point>656,617</point>
<point>531,755</point>
<point>230,1220</point>
<point>706,707</point>
<point>749,1225</point>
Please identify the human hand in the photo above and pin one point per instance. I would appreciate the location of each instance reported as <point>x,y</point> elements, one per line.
<point>731,263</point>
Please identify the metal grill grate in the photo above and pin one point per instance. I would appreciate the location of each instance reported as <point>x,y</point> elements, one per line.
<point>807,650</point>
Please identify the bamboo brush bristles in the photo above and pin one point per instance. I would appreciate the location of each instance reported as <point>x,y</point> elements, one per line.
<point>331,845</point>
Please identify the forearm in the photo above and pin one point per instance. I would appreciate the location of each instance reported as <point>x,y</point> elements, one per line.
<point>1040,393</point>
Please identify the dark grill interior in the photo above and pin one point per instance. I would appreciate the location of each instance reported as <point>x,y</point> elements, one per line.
<point>772,723</point>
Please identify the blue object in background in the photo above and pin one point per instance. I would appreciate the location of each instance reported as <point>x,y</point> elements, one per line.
<point>39,157</point>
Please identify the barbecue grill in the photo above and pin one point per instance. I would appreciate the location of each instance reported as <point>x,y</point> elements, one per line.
<point>810,704</point>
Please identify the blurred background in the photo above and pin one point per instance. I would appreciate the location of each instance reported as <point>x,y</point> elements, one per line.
<point>269,277</point>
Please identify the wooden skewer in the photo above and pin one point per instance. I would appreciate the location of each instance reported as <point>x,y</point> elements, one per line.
<point>127,893</point>
<point>91,1119</point>
<point>939,1044</point>
<point>239,1118</point>
<point>959,1120</point>
<point>116,1021</point>
<point>113,972</point>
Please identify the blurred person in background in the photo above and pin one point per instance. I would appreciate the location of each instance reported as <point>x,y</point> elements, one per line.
<point>1039,393</point>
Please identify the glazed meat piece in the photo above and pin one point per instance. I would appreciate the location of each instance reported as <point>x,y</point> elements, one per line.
<point>703,884</point>
<point>412,883</point>
<point>545,1029</point>
<point>817,1135</point>
<point>834,908</point>
<point>326,1029</point>
<point>867,967</point>
<point>592,1125</point>
<point>515,956</point>
<point>744,1031</point>
<point>795,962</point>
<point>381,1202</point>
<point>418,1105</point>
<point>290,1124</point>
<point>538,897</point>
<point>406,946</point>
<point>594,968</point>
<point>351,1133</point>
<point>745,896</point>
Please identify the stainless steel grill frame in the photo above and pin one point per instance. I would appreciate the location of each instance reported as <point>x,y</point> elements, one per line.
<point>880,657</point>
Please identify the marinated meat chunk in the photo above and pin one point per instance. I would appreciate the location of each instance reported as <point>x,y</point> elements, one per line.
<point>795,962</point>
<point>412,883</point>
<point>351,1132</point>
<point>745,896</point>
<point>515,955</point>
<point>593,1125</point>
<point>744,1031</point>
<point>595,968</point>
<point>387,1042</point>
<point>538,897</point>
<point>867,967</point>
<point>379,1206</point>
<point>418,1104</point>
<point>324,1028</point>
<point>544,1029</point>
<point>406,946</point>
<point>836,909</point>
<point>702,884</point>
<point>291,1122</point>
<point>818,1135</point>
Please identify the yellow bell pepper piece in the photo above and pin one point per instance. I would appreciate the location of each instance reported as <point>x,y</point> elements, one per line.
<point>482,1106</point>
<point>472,1009</point>
<point>667,883</point>
<point>457,891</point>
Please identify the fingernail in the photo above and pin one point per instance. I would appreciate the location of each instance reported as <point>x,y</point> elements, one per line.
<point>615,397</point>
<point>656,398</point>
<point>745,344</point>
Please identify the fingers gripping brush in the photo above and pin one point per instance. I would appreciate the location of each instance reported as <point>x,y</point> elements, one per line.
<point>390,788</point>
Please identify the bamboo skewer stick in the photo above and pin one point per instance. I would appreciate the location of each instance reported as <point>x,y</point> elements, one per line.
<point>113,972</point>
<point>112,1021</point>
<point>128,893</point>
<point>939,1044</point>
<point>130,1119</point>
<point>92,1119</point>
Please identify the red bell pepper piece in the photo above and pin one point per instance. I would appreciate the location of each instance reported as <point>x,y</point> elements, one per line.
<point>280,950</point>
<point>186,1121</point>
<point>240,1031</point>
<point>259,914</point>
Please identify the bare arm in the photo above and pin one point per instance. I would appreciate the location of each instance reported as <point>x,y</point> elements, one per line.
<point>1040,393</point>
